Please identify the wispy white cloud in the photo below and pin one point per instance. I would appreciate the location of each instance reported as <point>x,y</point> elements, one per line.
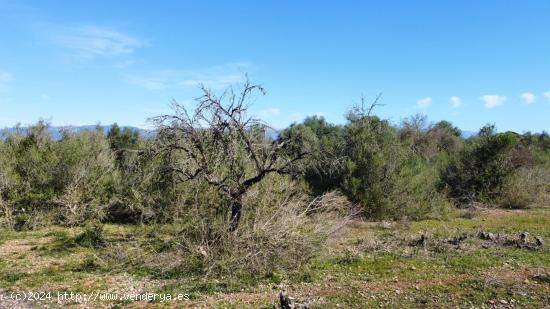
<point>93,41</point>
<point>455,101</point>
<point>152,82</point>
<point>492,101</point>
<point>547,95</point>
<point>270,112</point>
<point>424,102</point>
<point>216,77</point>
<point>528,97</point>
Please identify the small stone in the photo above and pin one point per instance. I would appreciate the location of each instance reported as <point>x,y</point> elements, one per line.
<point>523,237</point>
<point>542,278</point>
<point>487,236</point>
<point>413,268</point>
<point>503,301</point>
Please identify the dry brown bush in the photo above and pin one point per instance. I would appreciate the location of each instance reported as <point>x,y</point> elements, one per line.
<point>287,239</point>
<point>528,187</point>
<point>281,232</point>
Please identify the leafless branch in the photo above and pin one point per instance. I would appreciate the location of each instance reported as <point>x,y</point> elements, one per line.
<point>217,142</point>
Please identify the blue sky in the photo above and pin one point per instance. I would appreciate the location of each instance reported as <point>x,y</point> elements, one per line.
<point>470,62</point>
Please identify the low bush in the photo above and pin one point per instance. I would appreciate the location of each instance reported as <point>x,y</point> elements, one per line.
<point>527,187</point>
<point>92,236</point>
<point>417,196</point>
<point>280,232</point>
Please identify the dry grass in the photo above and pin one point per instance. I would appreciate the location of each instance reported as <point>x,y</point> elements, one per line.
<point>528,188</point>
<point>273,239</point>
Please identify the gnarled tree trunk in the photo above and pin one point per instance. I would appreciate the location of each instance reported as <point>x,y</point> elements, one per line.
<point>236,211</point>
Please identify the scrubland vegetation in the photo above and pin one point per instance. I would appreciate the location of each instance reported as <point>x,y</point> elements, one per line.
<point>213,204</point>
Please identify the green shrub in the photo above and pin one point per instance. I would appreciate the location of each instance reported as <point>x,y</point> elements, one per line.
<point>90,263</point>
<point>480,171</point>
<point>92,236</point>
<point>322,170</point>
<point>527,187</point>
<point>416,195</point>
<point>89,173</point>
<point>33,160</point>
<point>71,177</point>
<point>419,138</point>
<point>374,157</point>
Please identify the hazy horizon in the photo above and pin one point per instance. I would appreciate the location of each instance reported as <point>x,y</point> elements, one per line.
<point>470,63</point>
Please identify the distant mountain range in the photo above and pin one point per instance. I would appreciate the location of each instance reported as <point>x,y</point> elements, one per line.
<point>55,131</point>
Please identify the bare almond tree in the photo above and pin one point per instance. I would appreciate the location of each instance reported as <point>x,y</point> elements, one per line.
<point>217,142</point>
